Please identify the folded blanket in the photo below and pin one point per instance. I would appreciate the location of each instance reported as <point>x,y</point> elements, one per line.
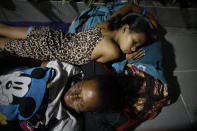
<point>94,15</point>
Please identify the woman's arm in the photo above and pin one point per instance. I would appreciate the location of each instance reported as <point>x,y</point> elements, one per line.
<point>129,7</point>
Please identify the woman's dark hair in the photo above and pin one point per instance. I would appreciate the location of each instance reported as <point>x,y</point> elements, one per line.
<point>136,24</point>
<point>112,88</point>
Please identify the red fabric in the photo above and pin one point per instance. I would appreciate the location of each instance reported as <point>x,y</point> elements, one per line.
<point>132,120</point>
<point>107,68</point>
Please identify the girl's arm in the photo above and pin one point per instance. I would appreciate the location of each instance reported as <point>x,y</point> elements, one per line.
<point>129,7</point>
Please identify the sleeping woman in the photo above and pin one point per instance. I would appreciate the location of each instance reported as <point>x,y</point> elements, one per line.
<point>36,96</point>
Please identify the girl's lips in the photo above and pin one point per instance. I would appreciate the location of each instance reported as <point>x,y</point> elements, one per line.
<point>127,52</point>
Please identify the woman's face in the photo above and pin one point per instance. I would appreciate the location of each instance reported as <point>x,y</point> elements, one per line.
<point>130,41</point>
<point>82,96</point>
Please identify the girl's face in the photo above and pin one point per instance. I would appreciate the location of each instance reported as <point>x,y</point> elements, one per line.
<point>130,41</point>
<point>82,96</point>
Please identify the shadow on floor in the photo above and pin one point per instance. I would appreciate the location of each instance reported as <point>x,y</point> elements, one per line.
<point>169,65</point>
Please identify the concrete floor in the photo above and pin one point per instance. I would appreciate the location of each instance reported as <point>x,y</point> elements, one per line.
<point>180,61</point>
<point>181,55</point>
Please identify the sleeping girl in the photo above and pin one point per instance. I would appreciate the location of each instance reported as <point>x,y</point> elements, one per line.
<point>118,37</point>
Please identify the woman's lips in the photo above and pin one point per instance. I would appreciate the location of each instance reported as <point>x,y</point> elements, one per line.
<point>67,99</point>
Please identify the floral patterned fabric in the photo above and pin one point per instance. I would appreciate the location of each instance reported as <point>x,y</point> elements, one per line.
<point>152,95</point>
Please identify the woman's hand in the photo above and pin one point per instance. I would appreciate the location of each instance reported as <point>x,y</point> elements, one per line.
<point>44,63</point>
<point>137,55</point>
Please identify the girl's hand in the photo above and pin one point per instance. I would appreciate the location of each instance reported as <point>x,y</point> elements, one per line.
<point>137,55</point>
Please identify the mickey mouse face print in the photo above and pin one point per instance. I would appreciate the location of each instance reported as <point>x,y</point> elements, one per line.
<point>13,84</point>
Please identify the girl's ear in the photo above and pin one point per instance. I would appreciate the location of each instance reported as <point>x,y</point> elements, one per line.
<point>125,27</point>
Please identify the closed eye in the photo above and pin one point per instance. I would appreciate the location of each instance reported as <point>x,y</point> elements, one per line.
<point>81,103</point>
<point>78,90</point>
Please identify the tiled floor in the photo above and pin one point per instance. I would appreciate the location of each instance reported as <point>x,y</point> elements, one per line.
<point>183,113</point>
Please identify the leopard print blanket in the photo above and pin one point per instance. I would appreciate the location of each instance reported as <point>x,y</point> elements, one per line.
<point>45,44</point>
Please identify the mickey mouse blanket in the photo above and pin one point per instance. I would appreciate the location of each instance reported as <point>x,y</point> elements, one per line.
<point>22,92</point>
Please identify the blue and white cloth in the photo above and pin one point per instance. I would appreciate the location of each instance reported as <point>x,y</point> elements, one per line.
<point>22,91</point>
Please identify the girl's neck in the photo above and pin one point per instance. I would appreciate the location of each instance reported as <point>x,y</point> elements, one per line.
<point>109,34</point>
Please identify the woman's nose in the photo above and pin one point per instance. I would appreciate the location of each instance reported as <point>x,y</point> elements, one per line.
<point>75,96</point>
